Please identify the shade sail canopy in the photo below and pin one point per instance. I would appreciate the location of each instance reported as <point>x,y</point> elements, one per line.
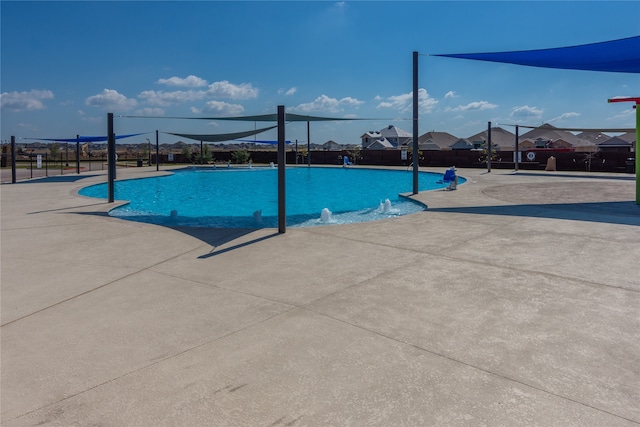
<point>289,117</point>
<point>611,130</point>
<point>219,137</point>
<point>622,56</point>
<point>261,141</point>
<point>84,139</point>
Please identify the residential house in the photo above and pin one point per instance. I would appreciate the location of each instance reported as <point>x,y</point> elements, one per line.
<point>501,140</point>
<point>615,144</point>
<point>332,146</point>
<point>442,140</point>
<point>556,137</point>
<point>389,137</point>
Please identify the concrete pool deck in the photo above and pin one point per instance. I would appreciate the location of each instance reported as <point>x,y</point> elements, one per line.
<point>514,300</point>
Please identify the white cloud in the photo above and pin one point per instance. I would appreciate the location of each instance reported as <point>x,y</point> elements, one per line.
<point>525,112</point>
<point>624,115</point>
<point>450,94</point>
<point>331,105</point>
<point>91,119</point>
<point>163,99</point>
<point>288,92</point>
<point>222,108</point>
<point>224,89</point>
<point>189,81</point>
<point>150,111</point>
<point>563,116</point>
<point>24,101</point>
<point>404,102</point>
<point>110,99</point>
<point>474,106</point>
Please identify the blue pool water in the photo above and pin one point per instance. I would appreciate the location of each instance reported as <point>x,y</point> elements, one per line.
<point>248,198</point>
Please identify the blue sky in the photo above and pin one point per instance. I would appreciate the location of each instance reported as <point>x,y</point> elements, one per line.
<point>65,64</point>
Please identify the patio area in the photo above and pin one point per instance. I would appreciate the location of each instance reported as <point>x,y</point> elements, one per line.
<point>514,300</point>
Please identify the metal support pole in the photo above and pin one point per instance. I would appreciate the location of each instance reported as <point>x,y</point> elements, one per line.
<point>415,123</point>
<point>78,154</point>
<point>517,149</point>
<point>111,157</point>
<point>489,147</point>
<point>637,154</point>
<point>157,152</point>
<point>282,214</point>
<point>201,153</point>
<point>308,145</point>
<point>13,159</point>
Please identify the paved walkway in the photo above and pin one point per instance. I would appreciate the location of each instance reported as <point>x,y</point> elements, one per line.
<point>514,300</point>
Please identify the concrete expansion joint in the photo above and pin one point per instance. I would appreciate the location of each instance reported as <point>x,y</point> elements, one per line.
<point>473,366</point>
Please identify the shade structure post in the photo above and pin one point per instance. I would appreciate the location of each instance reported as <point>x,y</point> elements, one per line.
<point>282,213</point>
<point>111,157</point>
<point>515,159</point>
<point>13,160</point>
<point>308,145</point>
<point>637,154</point>
<point>78,154</point>
<point>415,123</point>
<point>635,100</point>
<point>157,152</point>
<point>489,147</point>
<point>201,153</point>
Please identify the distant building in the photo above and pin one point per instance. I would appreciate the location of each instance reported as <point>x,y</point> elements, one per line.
<point>442,140</point>
<point>615,144</point>
<point>332,146</point>
<point>389,137</point>
<point>501,140</point>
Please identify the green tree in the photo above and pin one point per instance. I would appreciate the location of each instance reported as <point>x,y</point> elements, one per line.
<point>485,155</point>
<point>186,153</point>
<point>54,149</point>
<point>240,156</point>
<point>207,156</point>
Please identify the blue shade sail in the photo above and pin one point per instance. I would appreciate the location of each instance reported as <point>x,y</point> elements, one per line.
<point>621,56</point>
<point>87,138</point>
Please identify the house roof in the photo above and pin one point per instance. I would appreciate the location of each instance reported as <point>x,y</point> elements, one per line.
<point>379,144</point>
<point>429,146</point>
<point>629,137</point>
<point>593,137</point>
<point>499,137</point>
<point>394,132</point>
<point>331,145</point>
<point>371,134</point>
<point>547,131</point>
<point>442,139</point>
<point>461,144</point>
<point>615,141</point>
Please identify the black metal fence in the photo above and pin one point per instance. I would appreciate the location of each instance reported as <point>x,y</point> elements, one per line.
<point>28,165</point>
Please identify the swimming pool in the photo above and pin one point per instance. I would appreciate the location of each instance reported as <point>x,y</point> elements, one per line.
<point>248,197</point>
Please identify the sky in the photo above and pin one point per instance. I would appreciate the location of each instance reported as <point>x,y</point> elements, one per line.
<point>66,64</point>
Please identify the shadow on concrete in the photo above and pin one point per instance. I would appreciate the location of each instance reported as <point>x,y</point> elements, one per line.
<point>73,207</point>
<point>214,237</point>
<point>625,213</point>
<point>217,237</point>
<point>56,179</point>
<point>628,177</point>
